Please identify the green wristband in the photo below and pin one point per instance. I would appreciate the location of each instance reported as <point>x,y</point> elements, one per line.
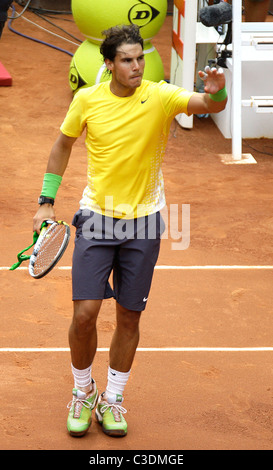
<point>51,185</point>
<point>220,95</point>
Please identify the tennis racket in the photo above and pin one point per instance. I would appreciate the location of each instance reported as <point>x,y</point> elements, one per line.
<point>49,248</point>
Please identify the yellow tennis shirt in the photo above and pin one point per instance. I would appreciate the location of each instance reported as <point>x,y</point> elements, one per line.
<point>126,140</point>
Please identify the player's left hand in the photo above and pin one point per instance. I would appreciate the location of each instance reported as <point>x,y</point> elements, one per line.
<point>213,78</point>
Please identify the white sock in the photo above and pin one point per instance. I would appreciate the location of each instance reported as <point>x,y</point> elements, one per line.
<point>82,377</point>
<point>116,384</point>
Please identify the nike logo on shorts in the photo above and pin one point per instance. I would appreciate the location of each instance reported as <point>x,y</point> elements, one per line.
<point>145,299</point>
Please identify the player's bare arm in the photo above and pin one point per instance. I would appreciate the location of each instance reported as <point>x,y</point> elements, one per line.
<point>214,87</point>
<point>57,163</point>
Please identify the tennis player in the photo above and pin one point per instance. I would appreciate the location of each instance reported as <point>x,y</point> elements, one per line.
<point>118,224</point>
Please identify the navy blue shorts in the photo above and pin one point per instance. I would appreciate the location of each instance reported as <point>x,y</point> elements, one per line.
<point>126,248</point>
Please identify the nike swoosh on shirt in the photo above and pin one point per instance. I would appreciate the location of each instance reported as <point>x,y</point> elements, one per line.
<point>144,101</point>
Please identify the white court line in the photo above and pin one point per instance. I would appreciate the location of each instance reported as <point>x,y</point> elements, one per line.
<point>163,267</point>
<point>185,349</point>
<point>182,349</point>
<point>215,267</point>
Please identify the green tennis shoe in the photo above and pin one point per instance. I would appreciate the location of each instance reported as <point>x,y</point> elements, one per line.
<point>80,411</point>
<point>110,416</point>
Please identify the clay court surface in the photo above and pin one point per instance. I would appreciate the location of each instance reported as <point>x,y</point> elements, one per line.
<point>203,375</point>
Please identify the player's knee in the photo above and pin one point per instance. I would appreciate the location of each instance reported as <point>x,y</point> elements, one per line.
<point>85,316</point>
<point>128,320</point>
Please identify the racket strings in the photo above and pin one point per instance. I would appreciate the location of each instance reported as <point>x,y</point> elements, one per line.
<point>50,247</point>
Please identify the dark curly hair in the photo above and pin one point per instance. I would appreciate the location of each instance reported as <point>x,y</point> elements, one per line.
<point>117,35</point>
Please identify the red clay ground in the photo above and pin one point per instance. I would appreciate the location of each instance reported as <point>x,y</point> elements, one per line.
<point>183,400</point>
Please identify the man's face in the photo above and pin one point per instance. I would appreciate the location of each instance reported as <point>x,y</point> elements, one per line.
<point>127,69</point>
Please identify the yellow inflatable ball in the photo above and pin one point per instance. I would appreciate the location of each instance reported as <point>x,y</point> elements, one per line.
<point>154,69</point>
<point>87,67</point>
<point>94,16</point>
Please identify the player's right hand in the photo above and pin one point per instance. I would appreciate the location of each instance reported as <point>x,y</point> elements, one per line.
<point>45,212</point>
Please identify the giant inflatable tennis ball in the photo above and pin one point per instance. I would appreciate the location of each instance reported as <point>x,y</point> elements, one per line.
<point>87,66</point>
<point>154,69</point>
<point>94,16</point>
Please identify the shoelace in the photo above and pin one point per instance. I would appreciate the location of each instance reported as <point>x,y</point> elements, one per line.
<point>115,408</point>
<point>79,403</point>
